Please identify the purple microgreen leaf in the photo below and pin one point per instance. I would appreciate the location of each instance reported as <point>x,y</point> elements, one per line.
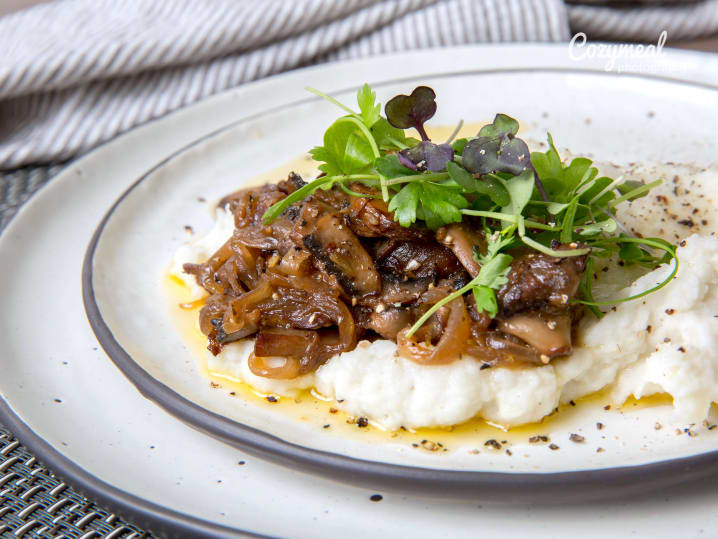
<point>405,111</point>
<point>427,155</point>
<point>406,158</point>
<point>437,156</point>
<point>484,155</point>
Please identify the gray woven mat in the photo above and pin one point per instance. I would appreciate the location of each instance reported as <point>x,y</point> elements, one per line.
<point>36,504</point>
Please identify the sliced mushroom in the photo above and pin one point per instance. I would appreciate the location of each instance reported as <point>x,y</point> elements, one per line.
<point>337,247</point>
<point>550,335</point>
<point>462,239</point>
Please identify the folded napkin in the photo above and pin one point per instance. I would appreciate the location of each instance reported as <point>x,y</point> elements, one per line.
<point>76,73</point>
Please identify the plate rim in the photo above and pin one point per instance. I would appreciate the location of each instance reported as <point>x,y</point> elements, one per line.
<point>126,502</point>
<point>588,483</point>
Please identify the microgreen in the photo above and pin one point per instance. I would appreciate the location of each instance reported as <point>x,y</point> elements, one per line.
<point>405,111</point>
<point>427,155</point>
<point>524,198</point>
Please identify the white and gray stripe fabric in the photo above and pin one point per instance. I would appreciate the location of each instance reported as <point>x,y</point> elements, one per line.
<point>79,72</point>
<point>644,23</point>
<point>75,73</point>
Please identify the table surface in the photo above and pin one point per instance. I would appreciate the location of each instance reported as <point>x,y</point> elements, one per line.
<point>34,503</point>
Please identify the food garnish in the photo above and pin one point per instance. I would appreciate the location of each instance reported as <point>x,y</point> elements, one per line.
<point>523,199</point>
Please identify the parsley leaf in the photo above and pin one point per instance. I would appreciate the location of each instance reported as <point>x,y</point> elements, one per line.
<point>493,273</point>
<point>405,203</point>
<point>520,189</point>
<point>487,185</point>
<point>370,109</point>
<point>346,149</point>
<point>390,167</point>
<point>561,182</point>
<point>441,204</point>
<point>436,204</point>
<point>485,298</point>
<point>387,136</point>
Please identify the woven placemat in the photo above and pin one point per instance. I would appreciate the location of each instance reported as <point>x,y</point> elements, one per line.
<point>36,504</point>
<point>33,502</point>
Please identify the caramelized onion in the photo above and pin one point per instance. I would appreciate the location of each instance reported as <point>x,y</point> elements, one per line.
<point>301,345</point>
<point>282,368</point>
<point>205,273</point>
<point>389,322</point>
<point>333,266</point>
<point>293,302</point>
<point>451,344</point>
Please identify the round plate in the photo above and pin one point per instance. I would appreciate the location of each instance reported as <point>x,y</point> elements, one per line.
<point>122,449</point>
<point>127,305</point>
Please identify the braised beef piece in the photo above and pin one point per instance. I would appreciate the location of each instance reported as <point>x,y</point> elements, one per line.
<point>334,268</point>
<point>537,280</point>
<point>416,259</point>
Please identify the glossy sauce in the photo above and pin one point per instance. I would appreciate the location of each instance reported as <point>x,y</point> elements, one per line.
<point>312,409</point>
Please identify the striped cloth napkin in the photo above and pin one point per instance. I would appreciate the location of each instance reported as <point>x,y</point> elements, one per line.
<point>76,73</point>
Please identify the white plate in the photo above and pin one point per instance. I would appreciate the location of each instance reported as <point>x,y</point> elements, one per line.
<point>101,419</point>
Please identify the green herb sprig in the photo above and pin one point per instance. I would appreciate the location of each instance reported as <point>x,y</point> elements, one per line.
<point>521,197</point>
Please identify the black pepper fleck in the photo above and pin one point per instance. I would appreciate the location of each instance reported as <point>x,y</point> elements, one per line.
<point>376,497</point>
<point>576,438</point>
<point>492,443</point>
<point>271,398</point>
<point>538,438</point>
<point>600,425</point>
<point>553,447</point>
<point>362,422</point>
